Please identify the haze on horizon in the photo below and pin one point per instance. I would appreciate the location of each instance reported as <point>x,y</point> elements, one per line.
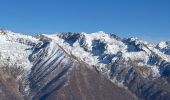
<point>146,19</point>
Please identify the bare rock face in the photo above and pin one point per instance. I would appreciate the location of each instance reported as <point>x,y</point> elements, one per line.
<point>85,84</point>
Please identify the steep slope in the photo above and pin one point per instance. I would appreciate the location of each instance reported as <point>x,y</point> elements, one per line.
<point>15,49</point>
<point>15,66</point>
<point>81,66</point>
<point>85,84</point>
<point>129,63</point>
<point>61,76</point>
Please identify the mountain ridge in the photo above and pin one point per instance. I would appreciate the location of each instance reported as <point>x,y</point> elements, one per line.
<point>131,64</point>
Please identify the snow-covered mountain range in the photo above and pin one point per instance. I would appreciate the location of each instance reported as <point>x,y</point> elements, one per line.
<point>51,62</point>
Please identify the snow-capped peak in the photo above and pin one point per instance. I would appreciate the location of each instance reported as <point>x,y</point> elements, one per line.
<point>98,48</point>
<point>15,49</point>
<point>162,44</point>
<point>164,47</point>
<point>52,57</point>
<point>17,37</point>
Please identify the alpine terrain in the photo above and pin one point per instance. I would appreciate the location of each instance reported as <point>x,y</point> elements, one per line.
<point>81,66</point>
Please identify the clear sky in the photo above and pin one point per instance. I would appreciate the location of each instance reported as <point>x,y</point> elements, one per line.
<point>147,19</point>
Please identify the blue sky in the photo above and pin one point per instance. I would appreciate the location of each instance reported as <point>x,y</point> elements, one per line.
<point>147,19</point>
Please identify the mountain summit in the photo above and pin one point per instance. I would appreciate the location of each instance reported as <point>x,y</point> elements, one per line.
<point>81,66</point>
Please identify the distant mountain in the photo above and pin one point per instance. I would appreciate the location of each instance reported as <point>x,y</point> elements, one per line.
<point>164,47</point>
<point>81,66</point>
